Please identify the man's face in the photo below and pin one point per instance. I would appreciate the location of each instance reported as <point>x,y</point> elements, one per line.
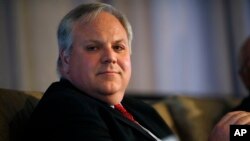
<point>99,63</point>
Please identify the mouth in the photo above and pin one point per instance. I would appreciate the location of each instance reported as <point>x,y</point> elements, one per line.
<point>108,73</point>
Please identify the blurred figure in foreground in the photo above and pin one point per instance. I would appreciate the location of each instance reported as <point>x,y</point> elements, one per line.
<point>240,115</point>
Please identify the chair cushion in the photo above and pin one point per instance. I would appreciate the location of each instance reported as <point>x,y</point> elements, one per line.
<point>15,109</point>
<point>194,118</point>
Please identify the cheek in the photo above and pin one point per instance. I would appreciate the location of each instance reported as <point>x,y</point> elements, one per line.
<point>126,64</point>
<point>89,64</point>
<point>79,63</point>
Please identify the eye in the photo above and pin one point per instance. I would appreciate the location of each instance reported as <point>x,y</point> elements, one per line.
<point>92,48</point>
<point>118,48</point>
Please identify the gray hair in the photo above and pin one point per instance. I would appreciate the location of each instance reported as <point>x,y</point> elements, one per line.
<point>86,12</point>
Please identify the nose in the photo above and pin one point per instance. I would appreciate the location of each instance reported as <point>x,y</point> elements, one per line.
<point>108,56</point>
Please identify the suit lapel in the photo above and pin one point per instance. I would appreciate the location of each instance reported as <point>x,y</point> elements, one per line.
<point>120,117</point>
<point>146,121</point>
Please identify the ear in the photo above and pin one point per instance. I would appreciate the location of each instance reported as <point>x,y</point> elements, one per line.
<point>65,58</point>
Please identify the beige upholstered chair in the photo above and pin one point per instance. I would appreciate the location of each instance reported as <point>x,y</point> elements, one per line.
<point>15,109</point>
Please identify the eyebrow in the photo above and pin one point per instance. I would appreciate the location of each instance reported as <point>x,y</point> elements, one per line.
<point>119,41</point>
<point>100,42</point>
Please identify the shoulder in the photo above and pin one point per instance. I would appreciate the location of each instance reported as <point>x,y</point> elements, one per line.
<point>127,100</point>
<point>62,98</point>
<point>138,105</point>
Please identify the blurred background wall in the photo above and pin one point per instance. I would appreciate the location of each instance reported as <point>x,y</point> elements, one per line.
<point>185,47</point>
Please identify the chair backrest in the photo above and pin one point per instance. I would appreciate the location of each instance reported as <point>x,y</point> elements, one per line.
<point>15,109</point>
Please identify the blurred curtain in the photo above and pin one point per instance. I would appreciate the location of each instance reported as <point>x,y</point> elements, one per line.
<point>188,47</point>
<point>179,47</point>
<point>28,42</point>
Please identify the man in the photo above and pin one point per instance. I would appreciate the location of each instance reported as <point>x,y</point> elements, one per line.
<point>240,115</point>
<point>244,72</point>
<point>95,68</point>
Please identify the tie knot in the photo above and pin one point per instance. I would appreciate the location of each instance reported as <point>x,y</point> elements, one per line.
<point>124,112</point>
<point>120,108</point>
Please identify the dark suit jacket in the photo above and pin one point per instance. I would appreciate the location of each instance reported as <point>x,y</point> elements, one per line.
<point>244,105</point>
<point>67,114</point>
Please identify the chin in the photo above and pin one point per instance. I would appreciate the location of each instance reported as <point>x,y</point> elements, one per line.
<point>112,96</point>
<point>113,99</point>
<point>110,89</point>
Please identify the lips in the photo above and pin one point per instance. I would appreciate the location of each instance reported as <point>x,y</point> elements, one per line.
<point>107,72</point>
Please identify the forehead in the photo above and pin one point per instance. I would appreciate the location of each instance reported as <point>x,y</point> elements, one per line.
<point>101,25</point>
<point>99,19</point>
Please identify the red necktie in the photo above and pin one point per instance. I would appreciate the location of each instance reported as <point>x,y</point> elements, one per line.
<point>125,113</point>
